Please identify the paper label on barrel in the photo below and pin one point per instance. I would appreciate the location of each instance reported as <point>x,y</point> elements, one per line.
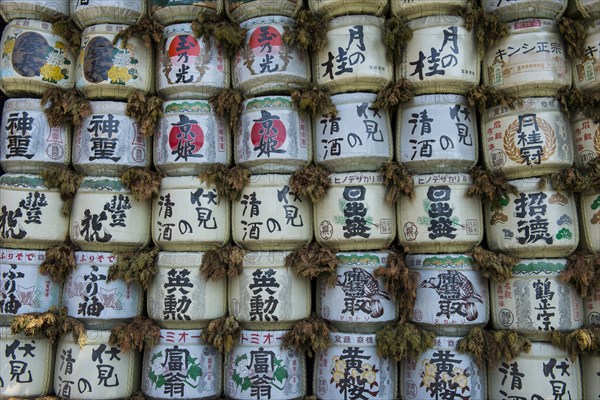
<point>23,289</point>
<point>590,219</point>
<point>587,140</point>
<point>591,306</point>
<point>26,365</point>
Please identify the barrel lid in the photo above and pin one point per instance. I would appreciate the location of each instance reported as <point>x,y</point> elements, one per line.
<point>275,180</point>
<point>436,261</point>
<point>267,20</point>
<point>26,181</point>
<point>435,20</point>
<point>528,184</point>
<point>442,179</point>
<point>357,20</point>
<point>102,183</point>
<point>259,103</point>
<point>185,27</point>
<point>182,182</point>
<point>357,97</point>
<point>433,99</point>
<point>114,107</point>
<point>28,104</point>
<point>540,266</point>
<point>186,106</point>
<point>174,259</point>
<point>363,259</point>
<point>259,259</point>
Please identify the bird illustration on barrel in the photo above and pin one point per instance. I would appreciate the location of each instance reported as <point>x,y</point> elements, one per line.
<point>457,294</point>
<point>362,292</point>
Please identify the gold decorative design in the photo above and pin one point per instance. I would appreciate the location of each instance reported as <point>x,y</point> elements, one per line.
<point>597,142</point>
<point>510,143</point>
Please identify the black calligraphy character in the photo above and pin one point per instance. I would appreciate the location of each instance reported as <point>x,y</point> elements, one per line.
<point>9,222</point>
<point>355,213</point>
<point>253,202</point>
<point>186,139</point>
<point>33,204</point>
<point>268,134</point>
<point>19,127</point>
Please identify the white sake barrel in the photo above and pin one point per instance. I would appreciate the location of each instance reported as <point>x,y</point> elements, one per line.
<point>533,139</point>
<point>351,367</point>
<point>357,135</point>
<point>243,10</point>
<point>590,371</point>
<point>34,59</point>
<point>188,215</point>
<point>452,297</point>
<point>586,134</point>
<point>453,67</point>
<point>23,288</point>
<point>190,138</point>
<point>586,69</point>
<point>108,142</point>
<point>354,215</point>
<point>43,10</point>
<point>190,67</point>
<point>589,212</point>
<point>335,8</point>
<point>30,214</point>
<point>266,64</point>
<point>354,58</point>
<point>535,223</point>
<point>87,13</point>
<point>591,307</point>
<point>437,133</point>
<point>440,217</point>
<point>107,71</point>
<point>27,364</point>
<point>442,372</point>
<point>268,295</point>
<point>587,8</point>
<point>106,217</point>
<point>282,223</point>
<point>27,142</point>
<point>260,366</point>
<point>272,136</point>
<point>181,365</point>
<point>513,10</point>
<point>422,8</point>
<point>530,61</point>
<point>359,301</point>
<point>173,11</point>
<point>540,374</point>
<point>534,301</point>
<point>180,298</point>
<point>95,371</point>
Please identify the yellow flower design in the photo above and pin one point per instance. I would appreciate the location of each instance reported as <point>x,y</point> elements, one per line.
<point>338,376</point>
<point>9,45</point>
<point>428,380</point>
<point>51,72</point>
<point>116,74</point>
<point>430,369</point>
<point>460,380</point>
<point>59,45</point>
<point>368,374</point>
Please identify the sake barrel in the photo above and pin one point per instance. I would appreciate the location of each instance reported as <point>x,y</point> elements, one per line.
<point>453,67</point>
<point>179,297</point>
<point>354,215</point>
<point>181,365</point>
<point>586,8</point>
<point>452,297</point>
<point>591,305</point>
<point>530,61</point>
<point>351,367</point>
<point>270,216</point>
<point>172,11</point>
<point>265,64</point>
<point>534,301</point>
<point>107,71</point>
<point>440,217</point>
<point>44,10</point>
<point>586,134</point>
<point>590,370</point>
<point>521,9</point>
<point>267,294</point>
<point>190,138</point>
<point>189,215</point>
<point>96,370</point>
<point>585,69</point>
<point>442,371</point>
<point>261,366</point>
<point>335,8</point>
<point>88,13</point>
<point>242,10</point>
<point>106,217</point>
<point>108,142</point>
<point>359,301</point>
<point>534,223</point>
<point>27,142</point>
<point>190,67</point>
<point>24,288</point>
<point>34,59</point>
<point>589,211</point>
<point>546,372</point>
<point>437,133</point>
<point>272,136</point>
<point>357,135</point>
<point>30,214</point>
<point>27,364</point>
<point>423,8</point>
<point>533,139</point>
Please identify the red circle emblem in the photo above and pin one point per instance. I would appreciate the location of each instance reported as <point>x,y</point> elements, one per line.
<point>190,137</point>
<point>183,44</point>
<point>265,36</point>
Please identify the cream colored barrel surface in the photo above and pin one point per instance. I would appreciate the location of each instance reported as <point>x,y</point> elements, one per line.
<point>533,139</point>
<point>265,64</point>
<point>173,11</point>
<point>108,142</point>
<point>350,366</point>
<point>267,294</point>
<point>589,211</point>
<point>27,365</point>
<point>107,71</point>
<point>27,142</point>
<point>181,365</point>
<point>358,302</point>
<point>23,289</point>
<point>179,297</point>
<point>587,8</point>
<point>590,370</point>
<point>190,138</point>
<point>591,305</point>
<point>354,214</point>
<point>190,67</point>
<point>423,8</point>
<point>106,217</point>
<point>272,136</point>
<point>31,215</point>
<point>530,61</point>
<point>357,135</point>
<point>441,56</point>
<point>452,297</point>
<point>586,134</point>
<point>586,70</point>
<point>440,217</point>
<point>437,133</point>
<point>535,302</point>
<point>259,363</point>
<point>242,10</point>
<point>534,223</point>
<point>270,216</point>
<point>95,371</point>
<point>354,58</point>
<point>335,8</point>
<point>34,59</point>
<point>539,374</point>
<point>442,371</point>
<point>43,10</point>
<point>513,10</point>
<point>87,13</point>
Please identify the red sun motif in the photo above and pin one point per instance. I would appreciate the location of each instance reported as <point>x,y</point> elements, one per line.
<point>269,134</point>
<point>187,138</point>
<point>184,44</point>
<point>265,36</point>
